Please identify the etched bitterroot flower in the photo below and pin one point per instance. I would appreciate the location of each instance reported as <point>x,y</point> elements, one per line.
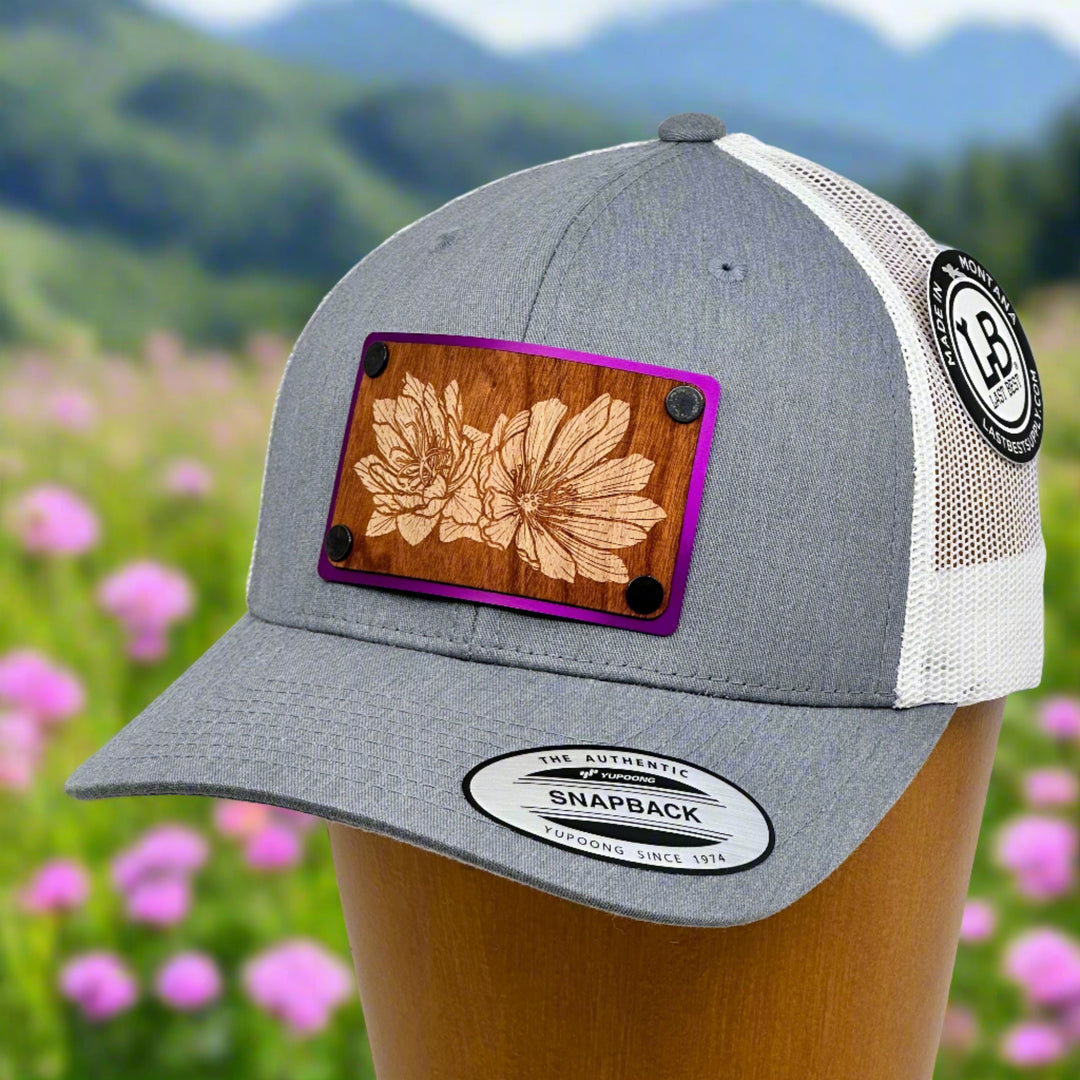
<point>425,471</point>
<point>556,495</point>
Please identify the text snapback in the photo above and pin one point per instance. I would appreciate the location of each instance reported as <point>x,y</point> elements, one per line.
<point>632,526</point>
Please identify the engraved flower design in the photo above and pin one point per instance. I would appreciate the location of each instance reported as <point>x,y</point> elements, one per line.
<point>425,471</point>
<point>541,482</point>
<point>550,489</point>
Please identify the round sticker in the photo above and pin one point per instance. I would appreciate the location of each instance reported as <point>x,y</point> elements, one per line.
<point>986,354</point>
<point>626,806</point>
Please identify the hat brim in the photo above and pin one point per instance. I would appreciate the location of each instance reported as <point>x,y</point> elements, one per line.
<point>380,737</point>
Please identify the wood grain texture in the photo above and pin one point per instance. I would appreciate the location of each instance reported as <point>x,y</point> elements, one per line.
<point>465,975</point>
<point>640,464</point>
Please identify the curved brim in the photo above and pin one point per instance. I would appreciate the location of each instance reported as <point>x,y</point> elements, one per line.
<point>380,737</point>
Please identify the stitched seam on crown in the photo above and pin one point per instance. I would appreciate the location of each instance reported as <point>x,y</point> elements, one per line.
<point>628,667</point>
<point>242,708</point>
<point>670,159</point>
<point>321,773</point>
<point>663,152</point>
<point>316,690</point>
<point>793,198</point>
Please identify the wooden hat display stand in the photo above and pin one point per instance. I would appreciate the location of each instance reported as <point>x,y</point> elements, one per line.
<point>465,975</point>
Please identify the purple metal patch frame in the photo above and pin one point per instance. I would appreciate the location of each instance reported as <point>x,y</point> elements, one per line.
<point>666,622</point>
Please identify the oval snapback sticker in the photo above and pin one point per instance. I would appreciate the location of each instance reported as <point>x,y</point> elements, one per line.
<point>625,806</point>
<point>986,354</point>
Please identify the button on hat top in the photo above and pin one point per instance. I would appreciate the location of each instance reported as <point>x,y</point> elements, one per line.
<point>691,127</point>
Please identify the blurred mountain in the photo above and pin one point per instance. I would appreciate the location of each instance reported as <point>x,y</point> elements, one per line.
<point>377,41</point>
<point>806,62</point>
<point>115,122</point>
<point>1017,210</point>
<point>789,71</point>
<point>385,42</point>
<point>84,15</point>
<point>151,175</point>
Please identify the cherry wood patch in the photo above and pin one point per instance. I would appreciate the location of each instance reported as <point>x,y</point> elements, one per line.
<point>531,478</point>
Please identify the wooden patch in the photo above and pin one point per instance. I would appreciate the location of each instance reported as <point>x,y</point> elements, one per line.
<point>523,476</point>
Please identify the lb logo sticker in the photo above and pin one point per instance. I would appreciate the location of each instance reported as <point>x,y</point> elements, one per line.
<point>986,354</point>
<point>627,806</point>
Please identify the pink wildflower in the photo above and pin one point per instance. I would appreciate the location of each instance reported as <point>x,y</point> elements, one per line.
<point>72,408</point>
<point>59,885</point>
<point>99,984</point>
<point>39,687</point>
<point>161,901</point>
<point>163,851</point>
<point>295,819</point>
<point>154,874</point>
<point>1041,851</point>
<point>1060,717</point>
<point>1050,787</point>
<point>1046,964</point>
<point>239,820</point>
<point>1032,1043</point>
<point>20,750</point>
<point>269,351</point>
<point>163,349</point>
<point>51,520</point>
<point>274,847</point>
<point>979,921</point>
<point>189,981</point>
<point>960,1029</point>
<point>299,982</point>
<point>188,478</point>
<point>147,598</point>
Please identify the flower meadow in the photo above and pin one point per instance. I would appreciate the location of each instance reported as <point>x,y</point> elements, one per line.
<point>175,937</point>
<point>145,937</point>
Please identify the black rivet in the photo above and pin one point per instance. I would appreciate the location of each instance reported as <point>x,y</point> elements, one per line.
<point>376,358</point>
<point>338,542</point>
<point>684,403</point>
<point>644,595</point>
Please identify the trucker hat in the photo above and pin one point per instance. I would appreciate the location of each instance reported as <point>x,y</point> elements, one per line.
<point>632,527</point>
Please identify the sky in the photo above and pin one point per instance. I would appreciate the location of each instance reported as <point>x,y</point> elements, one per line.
<point>521,23</point>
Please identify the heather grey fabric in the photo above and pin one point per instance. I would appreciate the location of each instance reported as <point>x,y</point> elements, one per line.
<point>781,674</point>
<point>380,737</point>
<point>799,577</point>
<point>798,580</point>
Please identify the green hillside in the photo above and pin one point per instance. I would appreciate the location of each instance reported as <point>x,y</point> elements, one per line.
<point>126,125</point>
<point>152,176</point>
<point>56,287</point>
<point>1017,210</point>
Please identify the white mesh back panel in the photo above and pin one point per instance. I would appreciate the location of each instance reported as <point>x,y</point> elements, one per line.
<point>973,626</point>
